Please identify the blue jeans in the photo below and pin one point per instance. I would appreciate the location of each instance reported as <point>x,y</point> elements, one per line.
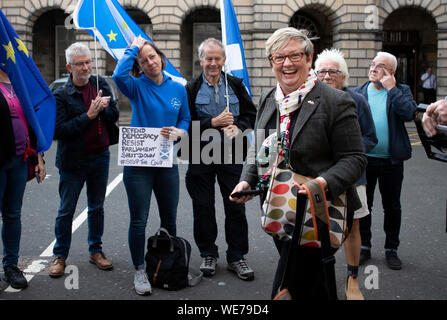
<point>139,183</point>
<point>13,176</point>
<point>94,172</point>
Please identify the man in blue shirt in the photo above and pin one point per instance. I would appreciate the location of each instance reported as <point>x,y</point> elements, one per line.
<point>224,121</point>
<point>429,86</point>
<point>392,104</point>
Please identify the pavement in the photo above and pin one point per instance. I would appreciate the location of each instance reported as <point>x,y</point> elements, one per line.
<point>125,117</point>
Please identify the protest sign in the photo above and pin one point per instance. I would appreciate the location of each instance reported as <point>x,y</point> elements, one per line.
<point>144,147</point>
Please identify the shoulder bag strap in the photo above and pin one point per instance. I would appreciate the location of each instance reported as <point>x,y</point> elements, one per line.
<point>318,201</point>
<point>323,224</point>
<point>293,244</point>
<point>328,260</point>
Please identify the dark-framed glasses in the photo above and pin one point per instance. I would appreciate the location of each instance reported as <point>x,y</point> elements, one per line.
<point>331,72</point>
<point>279,59</point>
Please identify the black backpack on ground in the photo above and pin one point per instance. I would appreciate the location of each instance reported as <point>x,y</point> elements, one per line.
<point>167,260</point>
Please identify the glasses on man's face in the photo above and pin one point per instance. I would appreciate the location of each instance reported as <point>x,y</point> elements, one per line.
<point>81,63</point>
<point>330,72</point>
<point>378,66</point>
<point>294,57</point>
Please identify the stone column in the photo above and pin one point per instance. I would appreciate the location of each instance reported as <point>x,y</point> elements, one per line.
<point>267,18</point>
<point>442,64</point>
<point>357,34</point>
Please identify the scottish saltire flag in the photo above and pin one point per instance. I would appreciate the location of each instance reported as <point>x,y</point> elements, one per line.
<point>113,28</point>
<point>231,39</point>
<point>36,99</point>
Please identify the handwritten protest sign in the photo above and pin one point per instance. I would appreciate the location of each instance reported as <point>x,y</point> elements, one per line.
<point>144,147</point>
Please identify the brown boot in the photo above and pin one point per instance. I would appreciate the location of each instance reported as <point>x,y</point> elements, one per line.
<point>352,289</point>
<point>101,261</point>
<point>57,267</point>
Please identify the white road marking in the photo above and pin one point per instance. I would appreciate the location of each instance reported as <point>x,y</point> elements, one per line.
<point>37,266</point>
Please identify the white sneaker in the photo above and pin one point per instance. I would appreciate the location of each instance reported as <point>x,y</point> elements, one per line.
<point>242,269</point>
<point>141,283</point>
<point>208,266</point>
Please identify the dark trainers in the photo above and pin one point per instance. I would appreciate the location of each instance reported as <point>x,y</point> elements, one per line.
<point>392,260</point>
<point>243,271</point>
<point>14,277</point>
<point>208,266</point>
<point>365,255</point>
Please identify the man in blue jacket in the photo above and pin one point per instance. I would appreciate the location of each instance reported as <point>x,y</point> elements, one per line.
<point>85,127</point>
<point>392,104</point>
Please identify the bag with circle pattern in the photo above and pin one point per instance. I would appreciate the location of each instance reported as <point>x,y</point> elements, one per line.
<point>279,208</point>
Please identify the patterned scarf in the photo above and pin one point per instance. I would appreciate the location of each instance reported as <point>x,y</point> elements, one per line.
<point>287,106</point>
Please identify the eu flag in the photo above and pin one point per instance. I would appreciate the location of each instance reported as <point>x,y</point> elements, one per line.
<point>113,28</point>
<point>36,99</point>
<point>231,39</point>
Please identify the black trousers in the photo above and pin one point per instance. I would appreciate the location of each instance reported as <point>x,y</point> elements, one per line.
<point>307,281</point>
<point>390,177</point>
<point>429,95</point>
<point>200,182</point>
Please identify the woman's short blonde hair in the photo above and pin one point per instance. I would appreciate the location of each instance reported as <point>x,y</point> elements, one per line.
<point>281,37</point>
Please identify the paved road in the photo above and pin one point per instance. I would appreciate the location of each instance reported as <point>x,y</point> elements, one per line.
<point>423,244</point>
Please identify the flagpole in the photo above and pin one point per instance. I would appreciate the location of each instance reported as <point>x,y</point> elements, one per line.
<point>96,52</point>
<point>226,90</point>
<point>224,41</point>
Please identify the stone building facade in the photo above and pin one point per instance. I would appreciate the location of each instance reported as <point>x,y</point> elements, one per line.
<point>414,30</point>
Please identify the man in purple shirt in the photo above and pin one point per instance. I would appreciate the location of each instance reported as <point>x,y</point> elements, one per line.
<point>85,127</point>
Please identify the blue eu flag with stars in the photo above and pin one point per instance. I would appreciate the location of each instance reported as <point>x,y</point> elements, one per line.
<point>36,99</point>
<point>113,28</point>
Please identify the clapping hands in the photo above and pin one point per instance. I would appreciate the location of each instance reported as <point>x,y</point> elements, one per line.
<point>97,105</point>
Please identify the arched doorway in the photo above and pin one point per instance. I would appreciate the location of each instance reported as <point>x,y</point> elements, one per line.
<point>143,21</point>
<point>199,25</point>
<point>50,39</point>
<point>410,34</point>
<point>318,26</point>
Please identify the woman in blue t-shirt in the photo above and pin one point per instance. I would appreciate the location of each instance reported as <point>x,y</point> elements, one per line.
<point>158,102</point>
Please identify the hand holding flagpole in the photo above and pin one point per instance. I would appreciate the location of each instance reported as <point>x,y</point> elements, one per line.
<point>232,41</point>
<point>235,58</point>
